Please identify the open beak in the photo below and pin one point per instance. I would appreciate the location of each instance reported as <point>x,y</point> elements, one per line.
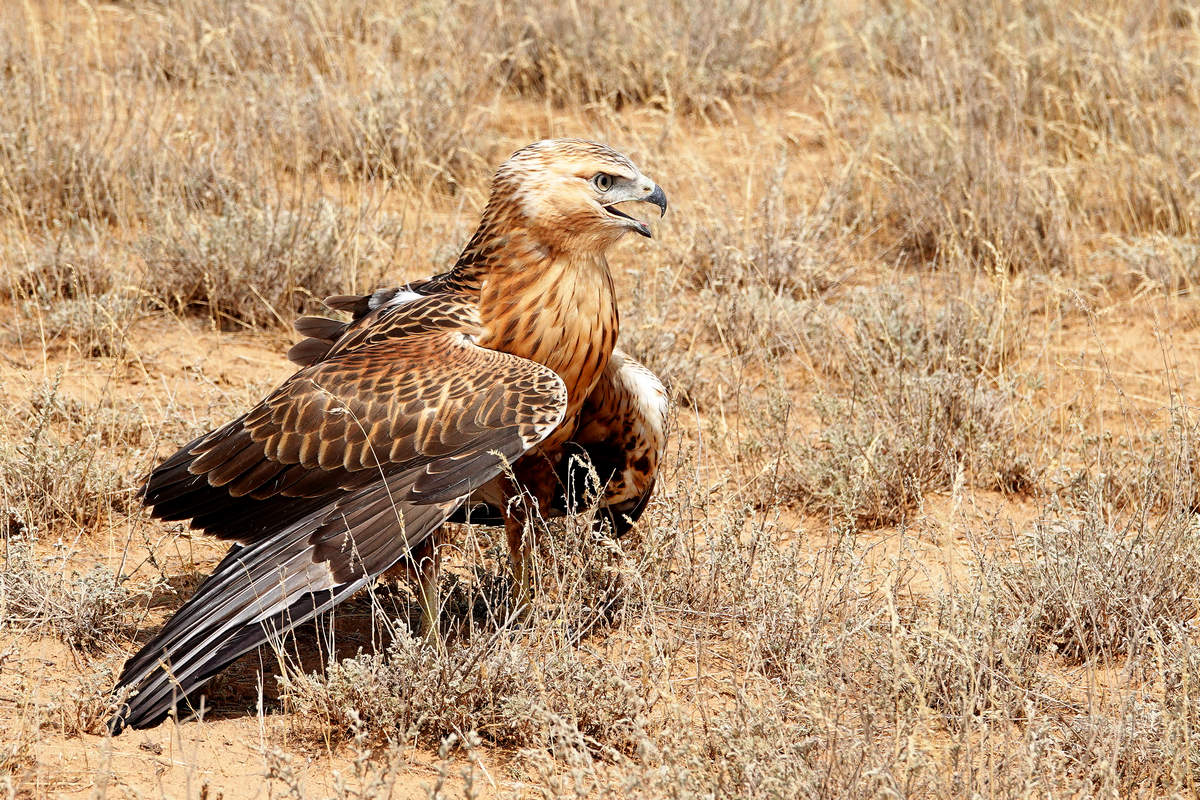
<point>657,197</point>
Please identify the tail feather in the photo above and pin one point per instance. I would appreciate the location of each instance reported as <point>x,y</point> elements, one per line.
<point>263,589</point>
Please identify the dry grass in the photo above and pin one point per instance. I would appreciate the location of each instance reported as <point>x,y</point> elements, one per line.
<point>925,301</point>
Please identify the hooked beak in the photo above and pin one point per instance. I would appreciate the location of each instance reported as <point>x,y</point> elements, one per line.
<point>657,197</point>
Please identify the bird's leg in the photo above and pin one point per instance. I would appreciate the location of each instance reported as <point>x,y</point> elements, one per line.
<point>523,498</point>
<point>520,550</point>
<point>421,567</point>
<point>427,568</point>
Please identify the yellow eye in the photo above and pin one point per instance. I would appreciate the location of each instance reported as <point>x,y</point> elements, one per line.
<point>602,181</point>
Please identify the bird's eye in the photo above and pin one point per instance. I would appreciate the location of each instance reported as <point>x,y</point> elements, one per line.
<point>603,181</point>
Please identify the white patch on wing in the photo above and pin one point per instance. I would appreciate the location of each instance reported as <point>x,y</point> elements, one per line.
<point>392,297</point>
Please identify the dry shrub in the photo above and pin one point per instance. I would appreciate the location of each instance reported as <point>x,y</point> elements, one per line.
<point>828,668</point>
<point>87,610</point>
<point>408,128</point>
<point>65,268</point>
<point>678,56</point>
<point>262,264</point>
<point>733,750</point>
<point>661,333</point>
<point>968,660</point>
<point>760,278</point>
<point>510,683</point>
<point>920,407</point>
<point>66,293</point>
<point>1006,134</point>
<point>88,703</point>
<point>54,173</point>
<point>97,326</point>
<point>815,624</point>
<point>1099,588</point>
<point>959,200</point>
<point>54,477</point>
<point>675,56</point>
<point>209,43</point>
<point>79,148</point>
<point>504,687</point>
<point>1154,471</point>
<point>967,331</point>
<point>1159,263</point>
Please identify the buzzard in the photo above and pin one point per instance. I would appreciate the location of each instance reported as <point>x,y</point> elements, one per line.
<point>465,395</point>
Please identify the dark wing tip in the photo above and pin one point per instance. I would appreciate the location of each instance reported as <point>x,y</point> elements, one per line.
<point>307,352</point>
<point>320,328</point>
<point>357,304</point>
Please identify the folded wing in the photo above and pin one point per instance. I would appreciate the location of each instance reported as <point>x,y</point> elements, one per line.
<point>330,480</point>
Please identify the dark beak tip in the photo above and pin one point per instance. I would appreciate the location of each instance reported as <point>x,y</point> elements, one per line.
<point>659,198</point>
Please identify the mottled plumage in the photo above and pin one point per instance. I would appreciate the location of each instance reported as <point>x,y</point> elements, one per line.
<point>404,417</point>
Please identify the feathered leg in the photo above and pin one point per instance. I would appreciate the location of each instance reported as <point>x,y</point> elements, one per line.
<point>520,550</point>
<point>428,563</point>
<point>523,501</point>
<point>421,568</point>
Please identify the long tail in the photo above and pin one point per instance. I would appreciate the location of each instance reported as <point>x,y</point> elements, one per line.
<point>256,594</point>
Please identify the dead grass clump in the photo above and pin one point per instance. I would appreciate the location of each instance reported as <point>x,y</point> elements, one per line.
<point>63,269</point>
<point>733,749</point>
<point>779,246</point>
<point>962,200</point>
<point>510,683</point>
<point>66,294</point>
<point>1153,472</point>
<point>1159,263</point>
<point>966,659</point>
<point>86,610</point>
<point>259,265</point>
<point>973,333</point>
<point>1099,588</point>
<point>920,408</point>
<point>761,278</point>
<point>704,59</point>
<point>880,453</point>
<point>505,687</point>
<point>203,44</point>
<point>405,128</point>
<point>53,478</point>
<point>1007,134</point>
<point>51,177</point>
<point>88,704</point>
<point>796,608</point>
<point>82,148</point>
<point>97,326</point>
<point>814,624</point>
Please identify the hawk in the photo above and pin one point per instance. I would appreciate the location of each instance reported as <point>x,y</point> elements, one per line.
<point>465,395</point>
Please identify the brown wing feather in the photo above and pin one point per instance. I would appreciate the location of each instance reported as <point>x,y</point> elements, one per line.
<point>330,481</point>
<point>416,392</point>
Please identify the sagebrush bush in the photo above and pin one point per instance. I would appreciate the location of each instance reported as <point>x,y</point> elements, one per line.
<point>52,481</point>
<point>1095,587</point>
<point>39,594</point>
<point>916,405</point>
<point>503,687</point>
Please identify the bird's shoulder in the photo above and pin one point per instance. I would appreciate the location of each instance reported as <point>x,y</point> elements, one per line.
<point>436,305</point>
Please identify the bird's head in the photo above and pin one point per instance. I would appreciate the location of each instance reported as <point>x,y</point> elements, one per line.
<point>567,192</point>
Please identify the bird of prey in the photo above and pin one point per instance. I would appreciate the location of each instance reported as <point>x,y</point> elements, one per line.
<point>469,392</point>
